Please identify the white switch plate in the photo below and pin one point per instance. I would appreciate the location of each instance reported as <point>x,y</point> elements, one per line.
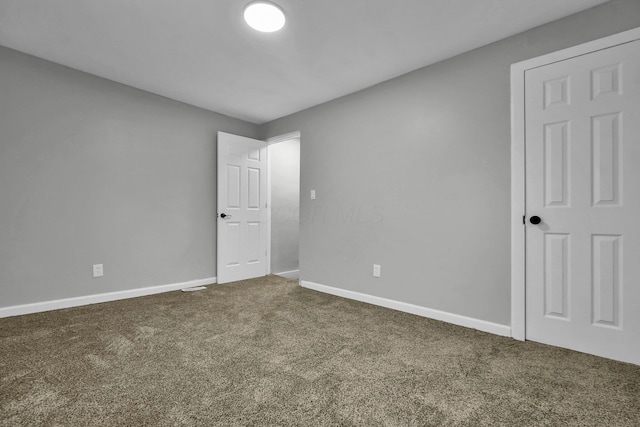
<point>376,270</point>
<point>313,194</point>
<point>98,270</point>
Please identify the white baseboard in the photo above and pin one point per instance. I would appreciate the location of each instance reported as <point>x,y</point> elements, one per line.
<point>37,307</point>
<point>293,274</point>
<point>456,319</point>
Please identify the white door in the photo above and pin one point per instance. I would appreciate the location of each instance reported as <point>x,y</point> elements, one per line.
<point>583,182</point>
<point>242,213</point>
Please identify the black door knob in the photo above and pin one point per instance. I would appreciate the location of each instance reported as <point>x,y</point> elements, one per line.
<point>223,215</point>
<point>535,220</point>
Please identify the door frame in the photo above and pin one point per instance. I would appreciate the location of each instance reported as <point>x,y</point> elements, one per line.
<point>518,180</point>
<point>270,142</point>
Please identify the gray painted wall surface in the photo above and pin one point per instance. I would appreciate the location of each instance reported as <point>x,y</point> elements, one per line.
<point>285,205</point>
<point>92,171</point>
<point>413,174</point>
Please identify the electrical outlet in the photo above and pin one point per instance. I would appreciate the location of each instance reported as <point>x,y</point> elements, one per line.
<point>313,194</point>
<point>376,270</point>
<point>98,270</point>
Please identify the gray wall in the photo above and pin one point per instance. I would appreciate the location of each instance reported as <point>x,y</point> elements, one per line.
<point>92,171</point>
<point>413,174</point>
<point>284,158</point>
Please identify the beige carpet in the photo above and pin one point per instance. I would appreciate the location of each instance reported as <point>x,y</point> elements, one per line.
<point>267,352</point>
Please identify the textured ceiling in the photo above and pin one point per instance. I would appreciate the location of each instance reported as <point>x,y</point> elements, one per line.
<point>201,52</point>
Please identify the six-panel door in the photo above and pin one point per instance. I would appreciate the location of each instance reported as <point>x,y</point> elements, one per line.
<point>583,180</point>
<point>242,215</point>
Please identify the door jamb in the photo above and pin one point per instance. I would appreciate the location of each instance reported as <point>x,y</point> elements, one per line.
<point>271,141</point>
<point>518,188</point>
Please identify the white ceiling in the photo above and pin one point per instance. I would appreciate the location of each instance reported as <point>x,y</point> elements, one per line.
<point>201,52</point>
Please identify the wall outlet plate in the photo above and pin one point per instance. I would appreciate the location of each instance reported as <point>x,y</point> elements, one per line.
<point>313,194</point>
<point>376,270</point>
<point>98,270</point>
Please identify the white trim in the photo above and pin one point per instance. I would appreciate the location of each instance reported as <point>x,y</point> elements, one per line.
<point>268,260</point>
<point>581,49</point>
<point>58,304</point>
<point>292,274</point>
<point>456,319</point>
<point>284,137</point>
<point>518,285</point>
<point>517,205</point>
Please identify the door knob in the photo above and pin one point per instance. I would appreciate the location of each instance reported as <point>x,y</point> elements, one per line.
<point>535,220</point>
<point>224,215</point>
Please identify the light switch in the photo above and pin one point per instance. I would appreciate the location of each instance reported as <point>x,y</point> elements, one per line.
<point>313,194</point>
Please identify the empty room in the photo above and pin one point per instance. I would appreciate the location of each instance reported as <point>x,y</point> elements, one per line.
<point>332,213</point>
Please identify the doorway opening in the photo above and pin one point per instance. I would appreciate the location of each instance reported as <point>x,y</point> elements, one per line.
<point>283,198</point>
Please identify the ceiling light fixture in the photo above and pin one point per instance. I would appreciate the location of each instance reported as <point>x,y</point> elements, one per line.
<point>264,16</point>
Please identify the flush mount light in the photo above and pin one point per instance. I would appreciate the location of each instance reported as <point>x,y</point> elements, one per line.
<point>264,16</point>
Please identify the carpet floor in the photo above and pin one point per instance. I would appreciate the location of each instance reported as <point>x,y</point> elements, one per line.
<point>266,352</point>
